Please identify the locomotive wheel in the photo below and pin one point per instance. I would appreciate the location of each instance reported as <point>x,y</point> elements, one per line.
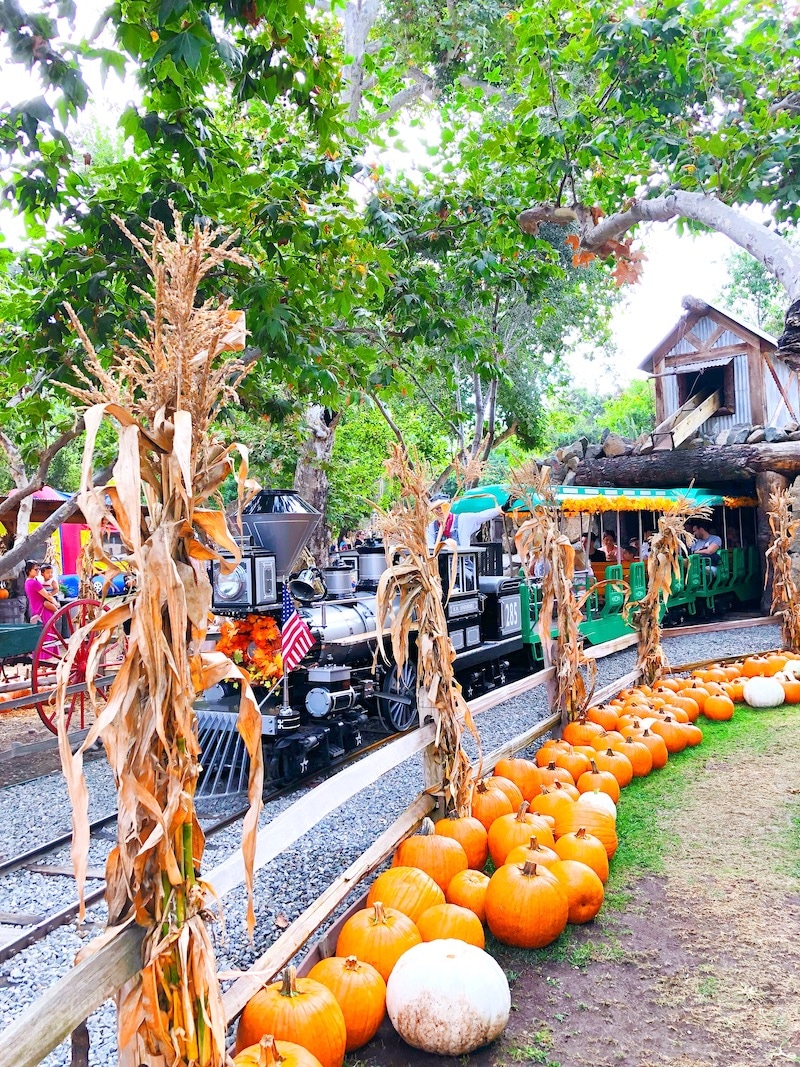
<point>52,648</point>
<point>398,703</point>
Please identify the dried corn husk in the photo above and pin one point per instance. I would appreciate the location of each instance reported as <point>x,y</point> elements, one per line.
<point>539,538</point>
<point>409,599</point>
<point>785,594</point>
<point>663,566</point>
<point>161,391</point>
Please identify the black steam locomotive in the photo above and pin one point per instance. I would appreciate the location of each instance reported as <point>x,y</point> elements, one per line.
<point>339,695</point>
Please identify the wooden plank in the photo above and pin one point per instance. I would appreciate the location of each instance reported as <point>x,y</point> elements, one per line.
<point>608,648</point>
<point>316,805</point>
<point>304,927</point>
<point>54,1015</point>
<point>20,918</point>
<point>716,627</point>
<point>779,385</point>
<point>689,422</point>
<point>508,692</point>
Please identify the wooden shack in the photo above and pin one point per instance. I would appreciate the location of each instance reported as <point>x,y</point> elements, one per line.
<point>714,373</point>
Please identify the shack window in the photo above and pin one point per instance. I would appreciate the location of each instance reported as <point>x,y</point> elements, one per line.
<point>703,381</point>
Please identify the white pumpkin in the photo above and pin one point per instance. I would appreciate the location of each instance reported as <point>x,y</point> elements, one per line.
<point>763,693</point>
<point>791,672</point>
<point>448,997</point>
<point>594,798</point>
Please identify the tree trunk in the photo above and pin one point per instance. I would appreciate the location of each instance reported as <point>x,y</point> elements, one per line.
<point>766,484</point>
<point>706,466</point>
<point>311,473</point>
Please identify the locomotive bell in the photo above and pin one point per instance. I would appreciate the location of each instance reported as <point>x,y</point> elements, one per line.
<point>303,591</point>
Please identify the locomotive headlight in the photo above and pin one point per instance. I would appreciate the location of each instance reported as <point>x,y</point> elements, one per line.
<point>232,587</point>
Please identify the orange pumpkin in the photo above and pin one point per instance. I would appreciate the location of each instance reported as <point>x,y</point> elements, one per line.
<point>524,773</point>
<point>468,890</point>
<point>792,691</point>
<point>451,920</point>
<point>735,690</point>
<point>526,905</point>
<point>299,1010</point>
<point>657,747</point>
<point>619,765</point>
<point>548,750</point>
<point>602,780</point>
<point>670,730</point>
<point>606,739</point>
<point>551,773</point>
<point>598,823</point>
<point>574,762</point>
<point>581,731</point>
<point>732,671</point>
<point>604,715</point>
<point>585,847</point>
<point>686,704</point>
<point>4,594</point>
<point>638,756</point>
<point>271,1053</point>
<point>675,712</point>
<point>549,801</point>
<point>505,786</point>
<point>693,734</point>
<point>533,852</point>
<point>360,992</point>
<point>489,804</point>
<point>567,789</point>
<point>583,888</point>
<point>755,666</point>
<point>718,708</point>
<point>509,831</point>
<point>406,889</point>
<point>440,857</point>
<point>378,936</point>
<point>470,834</point>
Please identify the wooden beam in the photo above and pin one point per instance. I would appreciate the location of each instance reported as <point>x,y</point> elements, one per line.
<point>54,1015</point>
<point>303,928</point>
<point>689,421</point>
<point>779,385</point>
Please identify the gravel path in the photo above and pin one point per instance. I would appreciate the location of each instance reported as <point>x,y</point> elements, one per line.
<point>37,811</point>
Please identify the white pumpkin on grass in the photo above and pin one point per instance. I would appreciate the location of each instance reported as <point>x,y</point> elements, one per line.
<point>763,692</point>
<point>594,798</point>
<point>448,997</point>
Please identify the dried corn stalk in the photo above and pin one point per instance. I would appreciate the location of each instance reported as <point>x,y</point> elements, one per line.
<point>667,546</point>
<point>410,599</point>
<point>538,539</point>
<point>161,391</point>
<point>785,594</point>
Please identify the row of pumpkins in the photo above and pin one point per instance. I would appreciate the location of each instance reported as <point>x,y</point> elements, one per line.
<point>549,827</point>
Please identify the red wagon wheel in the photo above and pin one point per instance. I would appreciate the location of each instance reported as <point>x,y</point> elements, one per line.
<point>52,648</point>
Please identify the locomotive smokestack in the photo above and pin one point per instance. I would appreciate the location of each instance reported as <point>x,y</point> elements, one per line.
<point>282,522</point>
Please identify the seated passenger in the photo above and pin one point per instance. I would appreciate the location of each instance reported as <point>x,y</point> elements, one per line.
<point>706,543</point>
<point>610,547</point>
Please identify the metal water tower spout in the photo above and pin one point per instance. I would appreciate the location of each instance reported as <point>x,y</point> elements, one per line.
<point>282,522</point>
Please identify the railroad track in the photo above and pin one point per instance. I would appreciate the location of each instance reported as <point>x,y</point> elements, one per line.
<point>40,926</point>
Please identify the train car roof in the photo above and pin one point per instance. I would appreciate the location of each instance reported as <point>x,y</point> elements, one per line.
<point>596,498</point>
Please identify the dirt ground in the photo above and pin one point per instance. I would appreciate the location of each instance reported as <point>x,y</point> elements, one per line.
<point>698,966</point>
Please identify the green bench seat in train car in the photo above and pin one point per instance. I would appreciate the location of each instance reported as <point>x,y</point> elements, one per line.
<point>530,602</point>
<point>749,586</point>
<point>686,585</point>
<point>608,622</point>
<point>718,582</point>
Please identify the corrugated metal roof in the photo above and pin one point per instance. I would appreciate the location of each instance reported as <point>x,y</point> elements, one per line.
<point>703,364</point>
<point>647,362</point>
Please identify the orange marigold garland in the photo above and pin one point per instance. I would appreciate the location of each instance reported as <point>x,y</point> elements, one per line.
<point>254,642</point>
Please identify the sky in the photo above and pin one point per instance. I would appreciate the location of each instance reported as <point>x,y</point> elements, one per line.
<point>675,266</point>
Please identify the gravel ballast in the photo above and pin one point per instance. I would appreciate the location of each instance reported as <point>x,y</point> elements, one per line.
<point>38,810</point>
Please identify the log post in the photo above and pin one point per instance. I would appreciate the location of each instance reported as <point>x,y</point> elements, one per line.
<point>767,483</point>
<point>709,465</point>
<point>431,766</point>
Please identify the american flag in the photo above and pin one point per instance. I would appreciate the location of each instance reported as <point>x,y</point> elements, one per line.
<point>296,638</point>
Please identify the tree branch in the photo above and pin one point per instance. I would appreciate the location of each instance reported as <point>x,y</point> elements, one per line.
<point>12,559</point>
<point>45,459</point>
<point>432,402</point>
<point>392,424</point>
<point>768,247</point>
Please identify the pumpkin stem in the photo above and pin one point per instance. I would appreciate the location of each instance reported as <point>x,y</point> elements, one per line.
<point>545,790</point>
<point>611,752</point>
<point>581,833</point>
<point>378,914</point>
<point>351,963</point>
<point>268,1055</point>
<point>551,766</point>
<point>523,811</point>
<point>427,827</point>
<point>556,785</point>
<point>482,787</point>
<point>289,987</point>
<point>529,868</point>
<point>534,845</point>
<point>594,767</point>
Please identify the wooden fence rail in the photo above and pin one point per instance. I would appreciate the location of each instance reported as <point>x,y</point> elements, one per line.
<point>116,957</point>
